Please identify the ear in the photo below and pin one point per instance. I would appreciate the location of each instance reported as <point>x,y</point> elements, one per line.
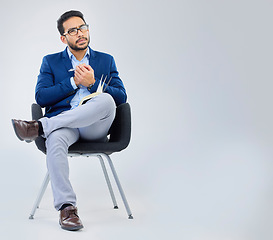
<point>63,39</point>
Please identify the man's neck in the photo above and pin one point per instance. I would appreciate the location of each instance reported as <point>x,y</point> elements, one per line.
<point>78,54</point>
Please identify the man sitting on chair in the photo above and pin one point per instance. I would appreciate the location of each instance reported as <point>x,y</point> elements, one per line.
<point>65,78</point>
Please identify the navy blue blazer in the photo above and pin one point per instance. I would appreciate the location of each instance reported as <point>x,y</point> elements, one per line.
<point>54,90</point>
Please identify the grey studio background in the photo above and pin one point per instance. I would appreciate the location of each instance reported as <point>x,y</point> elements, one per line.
<point>199,80</point>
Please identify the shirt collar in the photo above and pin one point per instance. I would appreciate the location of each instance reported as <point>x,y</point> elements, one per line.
<point>70,54</point>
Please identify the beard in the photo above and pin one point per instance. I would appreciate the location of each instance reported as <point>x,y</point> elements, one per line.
<point>75,47</point>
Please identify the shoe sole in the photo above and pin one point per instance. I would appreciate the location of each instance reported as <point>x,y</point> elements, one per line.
<point>15,130</point>
<point>72,228</point>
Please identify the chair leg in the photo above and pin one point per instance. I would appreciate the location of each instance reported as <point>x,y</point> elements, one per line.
<point>40,195</point>
<point>108,182</point>
<point>119,187</point>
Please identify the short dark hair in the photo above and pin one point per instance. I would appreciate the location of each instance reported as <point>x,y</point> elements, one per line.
<point>65,17</point>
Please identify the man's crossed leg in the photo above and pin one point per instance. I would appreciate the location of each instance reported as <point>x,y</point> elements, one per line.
<point>90,121</point>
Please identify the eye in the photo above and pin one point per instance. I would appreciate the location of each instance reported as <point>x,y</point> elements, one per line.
<point>84,27</point>
<point>72,31</point>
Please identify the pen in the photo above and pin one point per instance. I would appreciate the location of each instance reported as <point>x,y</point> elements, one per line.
<point>72,69</point>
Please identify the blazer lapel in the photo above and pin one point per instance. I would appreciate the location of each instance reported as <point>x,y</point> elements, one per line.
<point>92,60</point>
<point>66,60</point>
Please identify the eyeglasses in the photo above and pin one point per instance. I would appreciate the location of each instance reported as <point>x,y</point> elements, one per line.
<point>74,31</point>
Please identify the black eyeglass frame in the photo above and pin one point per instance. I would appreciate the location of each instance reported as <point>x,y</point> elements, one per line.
<point>79,28</point>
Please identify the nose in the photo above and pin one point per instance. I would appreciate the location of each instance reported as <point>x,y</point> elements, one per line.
<point>80,33</point>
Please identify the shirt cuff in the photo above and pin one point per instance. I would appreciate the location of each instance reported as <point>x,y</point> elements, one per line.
<point>73,83</point>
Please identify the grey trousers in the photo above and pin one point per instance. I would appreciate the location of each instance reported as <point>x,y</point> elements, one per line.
<point>90,121</point>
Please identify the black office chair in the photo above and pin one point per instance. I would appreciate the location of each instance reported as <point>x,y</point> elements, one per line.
<point>119,138</point>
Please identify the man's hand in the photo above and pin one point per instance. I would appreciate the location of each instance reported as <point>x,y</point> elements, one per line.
<point>84,75</point>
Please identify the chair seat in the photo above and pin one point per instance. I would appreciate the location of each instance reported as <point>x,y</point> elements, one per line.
<point>82,147</point>
<point>94,147</point>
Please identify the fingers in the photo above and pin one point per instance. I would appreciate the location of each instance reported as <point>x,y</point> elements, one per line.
<point>83,68</point>
<point>79,70</point>
<point>77,74</point>
<point>88,67</point>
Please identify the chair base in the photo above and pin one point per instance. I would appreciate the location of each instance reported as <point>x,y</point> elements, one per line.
<point>100,156</point>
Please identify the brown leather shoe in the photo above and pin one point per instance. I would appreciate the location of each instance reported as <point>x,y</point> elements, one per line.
<point>26,130</point>
<point>69,219</point>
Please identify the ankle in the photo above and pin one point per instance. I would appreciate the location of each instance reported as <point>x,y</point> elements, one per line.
<point>40,131</point>
<point>64,206</point>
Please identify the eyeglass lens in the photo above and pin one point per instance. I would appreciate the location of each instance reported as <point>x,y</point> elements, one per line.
<point>74,31</point>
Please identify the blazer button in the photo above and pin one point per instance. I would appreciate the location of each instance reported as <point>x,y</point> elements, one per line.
<point>67,101</point>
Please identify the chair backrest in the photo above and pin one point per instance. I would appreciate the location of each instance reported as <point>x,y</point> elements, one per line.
<point>120,133</point>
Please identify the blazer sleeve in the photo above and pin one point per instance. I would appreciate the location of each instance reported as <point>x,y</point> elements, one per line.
<point>116,88</point>
<point>49,91</point>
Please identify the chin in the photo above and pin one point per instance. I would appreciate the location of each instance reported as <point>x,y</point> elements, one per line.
<point>84,46</point>
<point>79,48</point>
